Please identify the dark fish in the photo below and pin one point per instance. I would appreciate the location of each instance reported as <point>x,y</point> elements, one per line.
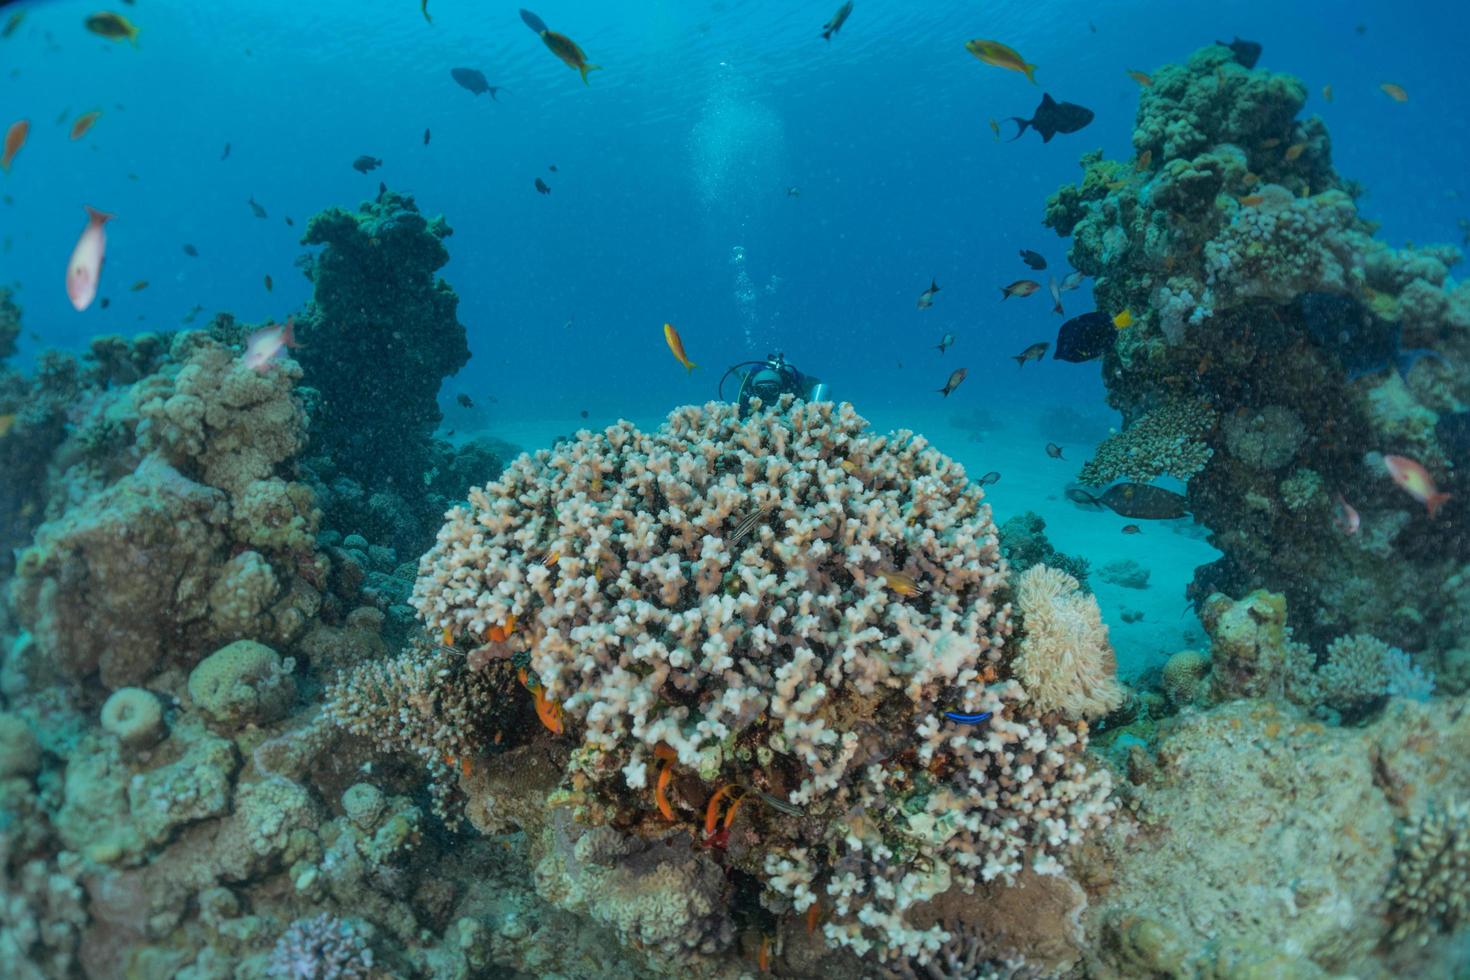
<point>583,413</point>
<point>268,284</point>
<point>955,378</point>
<point>1247,53</point>
<point>225,155</point>
<point>139,286</point>
<point>1053,117</point>
<point>1138,500</point>
<point>256,208</point>
<point>1033,259</point>
<point>1132,529</point>
<point>1054,451</point>
<point>464,400</point>
<point>474,81</point>
<point>426,137</point>
<point>1033,353</point>
<point>1085,337</point>
<point>191,251</point>
<point>552,168</point>
<point>838,19</point>
<point>192,314</point>
<point>289,221</point>
<point>945,343</point>
<point>13,23</point>
<point>105,303</point>
<point>533,22</point>
<point>541,186</point>
<point>365,163</point>
<point>989,479</point>
<point>382,189</point>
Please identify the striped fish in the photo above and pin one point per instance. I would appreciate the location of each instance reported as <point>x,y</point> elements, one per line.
<point>747,524</point>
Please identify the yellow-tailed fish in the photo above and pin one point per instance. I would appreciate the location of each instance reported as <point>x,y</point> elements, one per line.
<point>1001,56</point>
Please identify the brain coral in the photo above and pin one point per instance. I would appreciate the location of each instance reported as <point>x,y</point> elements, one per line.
<point>786,604</point>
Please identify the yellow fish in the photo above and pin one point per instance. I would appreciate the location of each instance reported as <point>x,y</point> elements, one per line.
<point>671,336</point>
<point>1295,150</point>
<point>1001,56</point>
<point>1123,320</point>
<point>1141,78</point>
<point>904,585</point>
<point>569,52</point>
<point>995,128</point>
<point>1395,92</point>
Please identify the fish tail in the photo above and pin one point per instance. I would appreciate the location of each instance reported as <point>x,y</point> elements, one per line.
<point>585,69</point>
<point>101,217</point>
<point>689,367</point>
<point>1030,71</point>
<point>1005,294</point>
<point>943,391</point>
<point>1434,501</point>
<point>1021,125</point>
<point>1020,360</point>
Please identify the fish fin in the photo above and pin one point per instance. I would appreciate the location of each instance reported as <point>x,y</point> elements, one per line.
<point>1047,102</point>
<point>943,391</point>
<point>101,217</point>
<point>1030,71</point>
<point>1058,309</point>
<point>933,286</point>
<point>1046,135</point>
<point>1020,360</point>
<point>585,69</point>
<point>1434,502</point>
<point>288,332</point>
<point>1021,125</point>
<point>1005,294</point>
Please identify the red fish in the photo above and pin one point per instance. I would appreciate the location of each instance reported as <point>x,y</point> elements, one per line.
<point>84,122</point>
<point>264,344</point>
<point>15,138</point>
<point>85,268</point>
<point>1416,481</point>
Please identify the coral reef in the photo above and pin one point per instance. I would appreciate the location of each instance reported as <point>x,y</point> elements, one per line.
<point>1271,368</point>
<point>1023,543</point>
<point>1431,881</point>
<point>1065,663</point>
<point>784,605</point>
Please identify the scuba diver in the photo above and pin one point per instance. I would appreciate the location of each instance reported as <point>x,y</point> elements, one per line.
<point>769,379</point>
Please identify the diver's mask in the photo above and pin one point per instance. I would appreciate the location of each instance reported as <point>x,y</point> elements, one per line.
<point>769,379</point>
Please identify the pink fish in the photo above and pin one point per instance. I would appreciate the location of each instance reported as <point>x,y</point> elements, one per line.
<point>85,267</point>
<point>263,346</point>
<point>1416,481</point>
<point>1346,518</point>
<point>1056,295</point>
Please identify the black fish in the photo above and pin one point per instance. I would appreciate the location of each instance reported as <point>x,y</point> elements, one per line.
<point>225,155</point>
<point>474,81</point>
<point>1247,53</point>
<point>106,302</point>
<point>541,186</point>
<point>1033,353</point>
<point>382,189</point>
<point>365,163</point>
<point>1085,337</point>
<point>1053,117</point>
<point>583,413</point>
<point>945,343</point>
<point>955,378</point>
<point>989,478</point>
<point>1138,500</point>
<point>1033,259</point>
<point>256,208</point>
<point>1055,451</point>
<point>838,19</point>
<point>533,22</point>
<point>290,222</point>
<point>191,251</point>
<point>464,400</point>
<point>426,137</point>
<point>551,167</point>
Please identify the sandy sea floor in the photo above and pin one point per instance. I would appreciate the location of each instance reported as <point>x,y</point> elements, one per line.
<point>1030,480</point>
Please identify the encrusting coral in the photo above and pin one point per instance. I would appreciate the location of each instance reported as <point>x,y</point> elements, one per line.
<point>786,604</point>
<point>1431,882</point>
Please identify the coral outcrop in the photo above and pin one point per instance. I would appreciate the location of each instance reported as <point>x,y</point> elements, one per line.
<point>1281,352</point>
<point>780,609</point>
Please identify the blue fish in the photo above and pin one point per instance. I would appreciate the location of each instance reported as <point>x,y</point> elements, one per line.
<point>965,719</point>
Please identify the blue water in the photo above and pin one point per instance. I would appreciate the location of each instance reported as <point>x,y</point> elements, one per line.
<point>670,198</point>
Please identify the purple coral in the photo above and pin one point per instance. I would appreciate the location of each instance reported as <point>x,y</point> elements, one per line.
<point>323,947</point>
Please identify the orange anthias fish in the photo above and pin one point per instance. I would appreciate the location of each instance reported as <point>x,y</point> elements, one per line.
<point>1346,518</point>
<point>1416,481</point>
<point>15,138</point>
<point>546,709</point>
<point>567,50</point>
<point>84,122</point>
<point>1395,92</point>
<point>1140,78</point>
<point>671,336</point>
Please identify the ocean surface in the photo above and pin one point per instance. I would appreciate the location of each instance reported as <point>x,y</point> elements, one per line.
<point>725,170</point>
